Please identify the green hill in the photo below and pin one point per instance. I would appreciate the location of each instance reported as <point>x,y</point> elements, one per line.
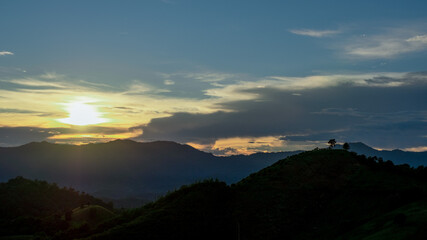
<point>321,194</point>
<point>93,215</point>
<point>31,206</point>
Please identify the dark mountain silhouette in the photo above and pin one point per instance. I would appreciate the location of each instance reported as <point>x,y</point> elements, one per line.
<point>143,171</point>
<point>397,156</point>
<point>124,168</point>
<point>30,206</point>
<point>320,194</point>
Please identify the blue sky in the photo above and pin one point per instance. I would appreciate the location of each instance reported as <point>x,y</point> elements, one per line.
<point>162,70</point>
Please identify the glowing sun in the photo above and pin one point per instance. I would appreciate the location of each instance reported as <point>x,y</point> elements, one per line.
<point>82,112</point>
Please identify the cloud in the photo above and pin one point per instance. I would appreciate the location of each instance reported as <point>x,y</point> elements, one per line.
<point>314,33</point>
<point>15,136</point>
<point>248,90</point>
<point>210,76</point>
<point>369,108</point>
<point>347,107</point>
<point>419,38</point>
<point>31,82</point>
<point>168,82</point>
<point>4,53</point>
<point>13,110</point>
<point>206,77</point>
<point>138,87</point>
<point>49,93</point>
<point>386,45</point>
<point>416,149</point>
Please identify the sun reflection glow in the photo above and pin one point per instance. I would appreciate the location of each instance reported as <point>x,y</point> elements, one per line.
<point>82,112</point>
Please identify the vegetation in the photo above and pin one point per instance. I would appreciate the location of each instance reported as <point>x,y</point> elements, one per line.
<point>323,194</point>
<point>37,207</point>
<point>346,146</point>
<point>332,143</point>
<point>320,194</point>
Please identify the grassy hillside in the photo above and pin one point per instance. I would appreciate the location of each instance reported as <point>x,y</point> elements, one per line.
<point>321,194</point>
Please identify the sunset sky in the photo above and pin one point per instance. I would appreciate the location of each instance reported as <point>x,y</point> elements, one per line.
<point>226,77</point>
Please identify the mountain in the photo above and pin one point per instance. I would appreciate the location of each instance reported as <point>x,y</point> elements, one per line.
<point>319,194</point>
<point>124,168</point>
<point>397,156</point>
<point>129,173</point>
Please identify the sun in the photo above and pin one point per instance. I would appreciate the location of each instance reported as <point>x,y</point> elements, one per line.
<point>82,112</point>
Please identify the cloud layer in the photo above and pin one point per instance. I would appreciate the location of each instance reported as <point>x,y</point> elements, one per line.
<point>387,110</point>
<point>273,113</point>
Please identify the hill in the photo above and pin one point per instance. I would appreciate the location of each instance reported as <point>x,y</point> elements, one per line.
<point>30,206</point>
<point>124,168</point>
<point>321,194</point>
<point>93,215</point>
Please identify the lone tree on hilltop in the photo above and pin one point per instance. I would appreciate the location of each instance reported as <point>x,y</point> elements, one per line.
<point>332,143</point>
<point>346,146</point>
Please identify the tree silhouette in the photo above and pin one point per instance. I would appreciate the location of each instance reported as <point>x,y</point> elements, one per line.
<point>346,146</point>
<point>332,143</point>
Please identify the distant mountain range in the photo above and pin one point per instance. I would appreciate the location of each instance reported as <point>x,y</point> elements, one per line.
<point>125,168</point>
<point>414,159</point>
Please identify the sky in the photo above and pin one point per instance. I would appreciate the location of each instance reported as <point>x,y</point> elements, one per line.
<point>227,77</point>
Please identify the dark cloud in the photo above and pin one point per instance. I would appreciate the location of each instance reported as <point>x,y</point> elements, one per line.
<point>381,116</point>
<point>15,136</point>
<point>12,110</point>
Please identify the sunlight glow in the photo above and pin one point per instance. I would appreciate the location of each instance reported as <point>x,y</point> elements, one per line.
<point>82,112</point>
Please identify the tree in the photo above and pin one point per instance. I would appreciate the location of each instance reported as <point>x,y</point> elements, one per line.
<point>332,143</point>
<point>346,146</point>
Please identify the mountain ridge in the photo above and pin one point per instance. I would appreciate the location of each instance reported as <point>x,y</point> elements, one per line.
<point>127,169</point>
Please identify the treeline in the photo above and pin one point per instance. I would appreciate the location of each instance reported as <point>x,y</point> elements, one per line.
<point>378,163</point>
